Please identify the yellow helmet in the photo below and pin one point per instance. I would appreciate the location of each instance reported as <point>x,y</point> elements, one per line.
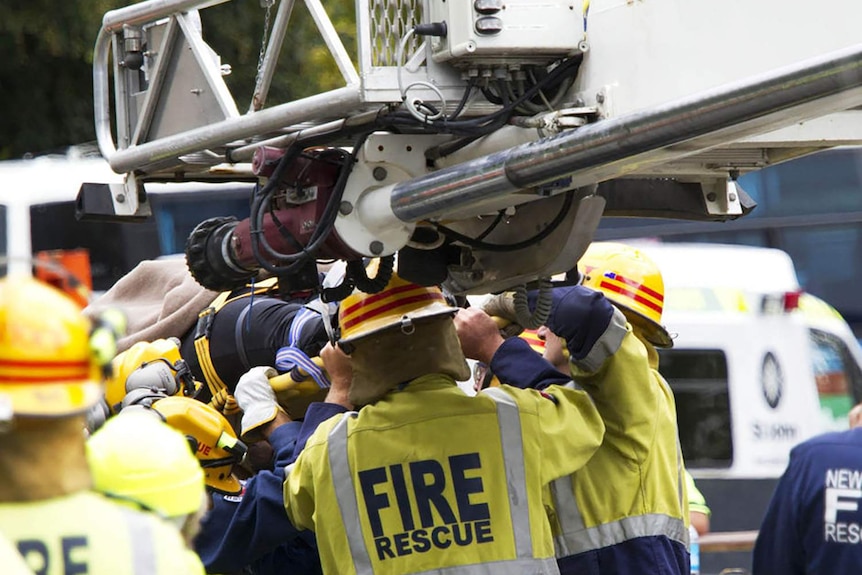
<point>216,445</point>
<point>531,336</point>
<point>135,457</point>
<point>399,303</point>
<point>632,281</point>
<point>149,364</point>
<point>47,366</point>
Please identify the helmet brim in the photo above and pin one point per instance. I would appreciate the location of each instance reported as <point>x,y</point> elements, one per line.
<point>654,333</point>
<point>370,327</point>
<point>56,399</point>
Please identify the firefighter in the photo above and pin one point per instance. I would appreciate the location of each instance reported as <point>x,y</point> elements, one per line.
<point>424,477</point>
<point>48,380</point>
<point>626,510</point>
<point>252,528</point>
<point>139,460</point>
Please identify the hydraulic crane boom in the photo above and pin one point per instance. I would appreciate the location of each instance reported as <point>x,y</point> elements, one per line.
<point>481,141</point>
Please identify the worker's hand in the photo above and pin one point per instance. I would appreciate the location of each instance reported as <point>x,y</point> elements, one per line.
<point>337,365</point>
<point>573,308</point>
<point>480,337</point>
<point>503,306</point>
<point>256,398</point>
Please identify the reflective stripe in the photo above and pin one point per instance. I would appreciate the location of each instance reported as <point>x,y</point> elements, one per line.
<point>345,495</point>
<point>509,421</point>
<point>511,567</point>
<point>607,344</point>
<point>141,542</point>
<point>616,532</point>
<point>568,513</point>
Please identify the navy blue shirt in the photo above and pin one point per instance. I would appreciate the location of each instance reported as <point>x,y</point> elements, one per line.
<point>813,524</point>
<point>253,529</point>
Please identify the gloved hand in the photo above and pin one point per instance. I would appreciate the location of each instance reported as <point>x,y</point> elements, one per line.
<point>503,306</point>
<point>256,398</point>
<point>575,310</point>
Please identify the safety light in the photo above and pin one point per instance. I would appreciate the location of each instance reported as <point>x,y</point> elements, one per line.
<point>780,302</point>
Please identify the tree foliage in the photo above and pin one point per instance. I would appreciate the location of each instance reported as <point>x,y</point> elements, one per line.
<point>46,54</point>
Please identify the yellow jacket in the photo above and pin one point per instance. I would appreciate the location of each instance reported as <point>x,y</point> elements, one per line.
<point>429,478</point>
<point>87,533</point>
<point>633,486</point>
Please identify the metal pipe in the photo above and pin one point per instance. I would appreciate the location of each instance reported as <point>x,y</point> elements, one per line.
<point>150,11</point>
<point>625,144</point>
<point>333,103</point>
<point>101,94</point>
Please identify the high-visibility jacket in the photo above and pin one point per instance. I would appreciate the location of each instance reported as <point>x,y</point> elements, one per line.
<point>628,506</point>
<point>11,560</point>
<point>87,533</point>
<point>625,511</point>
<point>431,480</point>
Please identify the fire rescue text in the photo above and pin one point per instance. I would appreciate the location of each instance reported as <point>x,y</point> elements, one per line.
<point>420,529</point>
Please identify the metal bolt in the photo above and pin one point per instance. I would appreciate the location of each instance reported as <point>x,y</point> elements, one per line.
<point>379,173</point>
<point>731,196</point>
<point>711,196</point>
<point>600,97</point>
<point>376,247</point>
<point>121,198</point>
<point>345,208</point>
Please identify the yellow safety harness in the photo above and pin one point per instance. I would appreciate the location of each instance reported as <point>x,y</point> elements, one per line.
<point>221,396</point>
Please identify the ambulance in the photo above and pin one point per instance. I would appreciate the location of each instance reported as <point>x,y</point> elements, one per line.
<point>757,366</point>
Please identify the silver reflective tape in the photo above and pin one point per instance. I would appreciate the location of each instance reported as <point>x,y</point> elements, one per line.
<point>345,494</point>
<point>509,420</point>
<point>512,567</point>
<point>141,541</point>
<point>568,513</point>
<point>626,529</point>
<point>607,345</point>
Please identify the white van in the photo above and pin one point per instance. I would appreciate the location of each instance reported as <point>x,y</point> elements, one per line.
<point>757,367</point>
<point>38,216</point>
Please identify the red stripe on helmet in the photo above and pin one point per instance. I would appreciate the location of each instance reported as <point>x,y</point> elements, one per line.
<point>631,294</point>
<point>371,314</point>
<point>40,364</point>
<point>637,285</point>
<point>40,372</point>
<point>372,299</point>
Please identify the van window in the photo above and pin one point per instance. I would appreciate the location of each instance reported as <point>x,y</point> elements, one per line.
<point>698,378</point>
<point>177,214</point>
<point>114,247</point>
<point>838,376</point>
